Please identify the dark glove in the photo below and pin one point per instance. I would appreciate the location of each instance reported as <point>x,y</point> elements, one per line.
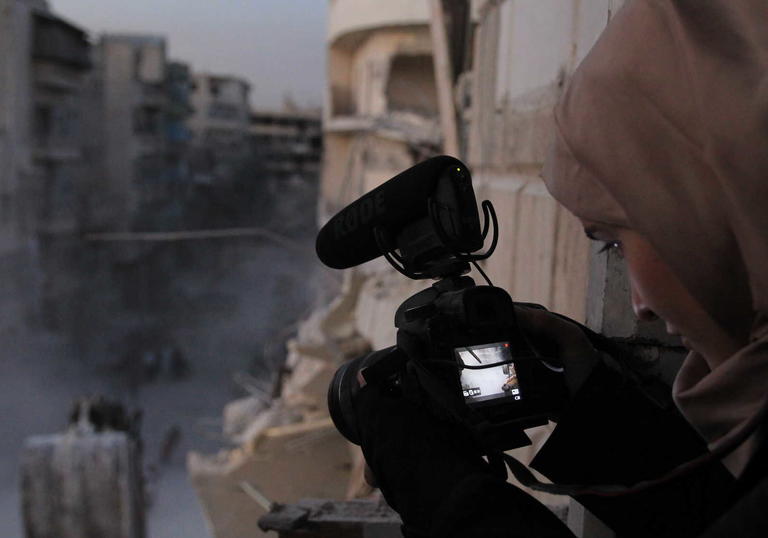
<point>416,458</point>
<point>432,475</point>
<point>561,341</point>
<point>431,471</point>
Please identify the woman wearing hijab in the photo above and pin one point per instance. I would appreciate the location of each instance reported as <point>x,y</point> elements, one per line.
<point>661,149</point>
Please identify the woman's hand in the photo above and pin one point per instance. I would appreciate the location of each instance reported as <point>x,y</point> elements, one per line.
<point>560,341</point>
<point>413,456</point>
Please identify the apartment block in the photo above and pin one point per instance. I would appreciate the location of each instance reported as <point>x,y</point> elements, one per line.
<point>219,124</point>
<point>44,97</point>
<point>286,144</point>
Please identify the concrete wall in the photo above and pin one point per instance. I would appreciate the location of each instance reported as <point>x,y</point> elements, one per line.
<point>347,16</point>
<point>229,94</point>
<point>219,125</point>
<point>20,279</point>
<point>60,100</point>
<point>43,99</point>
<point>58,137</point>
<point>15,133</point>
<point>131,71</point>
<point>523,55</point>
<point>151,62</point>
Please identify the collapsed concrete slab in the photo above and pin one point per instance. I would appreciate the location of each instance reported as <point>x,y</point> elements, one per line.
<point>284,463</point>
<point>289,449</point>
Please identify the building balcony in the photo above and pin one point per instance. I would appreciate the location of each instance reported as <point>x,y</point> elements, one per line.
<point>56,152</point>
<point>351,16</point>
<point>57,77</point>
<point>395,126</point>
<point>55,40</point>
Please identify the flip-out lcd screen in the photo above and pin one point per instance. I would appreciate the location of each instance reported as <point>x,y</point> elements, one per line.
<point>479,385</point>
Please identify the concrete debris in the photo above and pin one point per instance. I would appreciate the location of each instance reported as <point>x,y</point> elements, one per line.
<point>239,414</point>
<point>82,484</point>
<point>288,448</point>
<point>316,518</point>
<point>283,462</point>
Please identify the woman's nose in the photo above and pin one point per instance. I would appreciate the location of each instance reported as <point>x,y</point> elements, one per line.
<point>642,311</point>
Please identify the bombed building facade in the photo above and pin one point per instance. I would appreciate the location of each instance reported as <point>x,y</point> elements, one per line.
<point>219,125</point>
<point>44,147</point>
<point>286,144</point>
<point>381,110</point>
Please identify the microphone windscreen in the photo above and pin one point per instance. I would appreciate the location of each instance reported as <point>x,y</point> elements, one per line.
<point>348,238</point>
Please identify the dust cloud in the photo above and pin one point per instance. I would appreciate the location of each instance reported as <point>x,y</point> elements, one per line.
<point>167,336</point>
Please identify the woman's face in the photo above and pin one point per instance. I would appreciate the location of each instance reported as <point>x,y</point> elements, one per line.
<point>657,292</point>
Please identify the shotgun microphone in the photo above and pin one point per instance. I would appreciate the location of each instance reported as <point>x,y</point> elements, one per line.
<point>419,217</point>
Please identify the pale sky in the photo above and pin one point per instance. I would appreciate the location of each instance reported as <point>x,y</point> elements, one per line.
<point>279,46</point>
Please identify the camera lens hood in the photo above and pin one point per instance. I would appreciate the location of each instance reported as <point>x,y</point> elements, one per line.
<point>341,394</point>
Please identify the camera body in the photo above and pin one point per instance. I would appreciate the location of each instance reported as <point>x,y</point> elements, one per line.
<point>454,326</point>
<point>461,340</point>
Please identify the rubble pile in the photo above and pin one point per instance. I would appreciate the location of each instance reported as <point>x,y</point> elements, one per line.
<point>286,448</point>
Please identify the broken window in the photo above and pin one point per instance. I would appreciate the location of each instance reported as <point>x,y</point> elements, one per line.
<point>411,85</point>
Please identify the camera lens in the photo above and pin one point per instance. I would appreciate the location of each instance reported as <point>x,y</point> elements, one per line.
<point>381,365</point>
<point>341,396</point>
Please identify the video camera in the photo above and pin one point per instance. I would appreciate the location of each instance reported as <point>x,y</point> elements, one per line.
<point>463,342</point>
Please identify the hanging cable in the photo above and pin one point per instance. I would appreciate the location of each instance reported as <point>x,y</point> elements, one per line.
<point>480,270</point>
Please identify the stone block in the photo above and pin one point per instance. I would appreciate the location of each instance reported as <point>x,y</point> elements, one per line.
<point>76,485</point>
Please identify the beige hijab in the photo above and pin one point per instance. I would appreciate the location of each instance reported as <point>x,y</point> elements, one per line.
<point>664,129</point>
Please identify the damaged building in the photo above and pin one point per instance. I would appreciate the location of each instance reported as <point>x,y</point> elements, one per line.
<point>44,145</point>
<point>380,115</point>
<point>219,125</point>
<point>147,100</point>
<point>286,144</point>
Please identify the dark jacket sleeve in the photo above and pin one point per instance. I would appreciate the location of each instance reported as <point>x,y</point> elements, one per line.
<point>746,518</point>
<point>615,434</point>
<point>487,507</point>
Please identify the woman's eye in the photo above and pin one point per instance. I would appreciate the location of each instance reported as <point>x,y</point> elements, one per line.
<point>610,245</point>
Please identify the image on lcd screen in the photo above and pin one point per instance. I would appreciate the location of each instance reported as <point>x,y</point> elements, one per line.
<point>489,383</point>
